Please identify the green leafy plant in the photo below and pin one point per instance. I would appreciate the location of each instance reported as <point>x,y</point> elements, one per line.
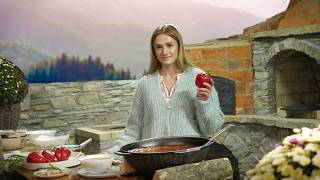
<point>15,161</point>
<point>13,83</point>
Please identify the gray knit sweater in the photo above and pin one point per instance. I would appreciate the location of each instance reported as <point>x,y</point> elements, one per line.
<point>184,115</point>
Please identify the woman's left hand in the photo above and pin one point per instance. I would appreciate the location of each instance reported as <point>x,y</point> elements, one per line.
<point>203,94</point>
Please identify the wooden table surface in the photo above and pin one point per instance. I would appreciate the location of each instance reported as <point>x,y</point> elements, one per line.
<point>28,174</point>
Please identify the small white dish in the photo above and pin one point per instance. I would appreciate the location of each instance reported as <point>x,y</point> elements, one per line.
<point>113,171</point>
<point>96,163</point>
<point>44,173</point>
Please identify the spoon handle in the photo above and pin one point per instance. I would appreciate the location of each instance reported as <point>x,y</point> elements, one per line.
<point>211,140</point>
<point>219,133</point>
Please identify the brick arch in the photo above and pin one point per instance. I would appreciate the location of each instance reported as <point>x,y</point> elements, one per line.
<point>306,47</point>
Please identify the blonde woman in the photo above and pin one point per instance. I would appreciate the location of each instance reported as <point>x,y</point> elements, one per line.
<point>166,101</point>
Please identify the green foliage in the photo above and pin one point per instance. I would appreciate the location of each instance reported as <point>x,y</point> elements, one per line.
<point>72,69</point>
<point>15,161</point>
<point>13,84</point>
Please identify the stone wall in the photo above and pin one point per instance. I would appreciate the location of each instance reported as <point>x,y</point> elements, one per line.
<point>248,142</point>
<point>65,106</point>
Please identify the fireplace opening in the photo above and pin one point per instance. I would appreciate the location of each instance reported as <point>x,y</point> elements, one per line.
<point>297,85</point>
<point>227,95</point>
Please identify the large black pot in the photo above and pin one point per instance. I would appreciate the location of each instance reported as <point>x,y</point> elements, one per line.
<point>147,163</point>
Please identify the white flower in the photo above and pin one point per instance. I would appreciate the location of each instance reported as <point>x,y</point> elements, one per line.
<point>285,169</point>
<point>312,147</point>
<point>303,160</point>
<point>297,130</point>
<point>278,161</point>
<point>302,148</point>
<point>264,161</point>
<point>316,160</point>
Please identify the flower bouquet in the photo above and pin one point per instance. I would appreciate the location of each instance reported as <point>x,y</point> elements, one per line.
<point>297,157</point>
<point>13,89</point>
<point>13,84</point>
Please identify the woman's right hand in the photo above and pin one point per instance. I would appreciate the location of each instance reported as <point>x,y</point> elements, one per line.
<point>203,94</point>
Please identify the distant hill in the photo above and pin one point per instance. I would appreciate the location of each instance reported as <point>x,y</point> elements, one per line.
<point>118,31</point>
<point>22,55</point>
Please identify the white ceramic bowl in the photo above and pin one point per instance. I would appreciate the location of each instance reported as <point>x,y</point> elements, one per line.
<point>44,140</point>
<point>14,143</point>
<point>97,163</point>
<point>34,134</point>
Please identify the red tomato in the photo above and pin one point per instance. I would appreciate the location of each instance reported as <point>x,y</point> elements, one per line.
<point>48,155</point>
<point>201,78</point>
<point>62,153</point>
<point>35,157</point>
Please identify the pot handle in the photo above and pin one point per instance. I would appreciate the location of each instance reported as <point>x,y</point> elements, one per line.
<point>121,153</point>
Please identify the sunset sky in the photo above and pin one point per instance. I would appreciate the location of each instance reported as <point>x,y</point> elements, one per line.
<point>118,31</point>
<point>263,8</point>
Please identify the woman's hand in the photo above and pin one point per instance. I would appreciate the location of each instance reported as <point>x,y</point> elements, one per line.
<point>203,94</point>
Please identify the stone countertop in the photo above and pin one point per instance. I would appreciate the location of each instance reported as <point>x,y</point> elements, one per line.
<point>273,121</point>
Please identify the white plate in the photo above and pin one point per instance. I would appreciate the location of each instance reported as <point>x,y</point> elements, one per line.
<point>113,171</point>
<point>42,173</point>
<point>72,161</point>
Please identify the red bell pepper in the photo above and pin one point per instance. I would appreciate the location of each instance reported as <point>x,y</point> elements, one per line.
<point>62,153</point>
<point>50,156</point>
<point>35,157</point>
<point>201,78</point>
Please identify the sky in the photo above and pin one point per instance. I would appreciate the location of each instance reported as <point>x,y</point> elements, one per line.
<point>263,8</point>
<point>108,28</point>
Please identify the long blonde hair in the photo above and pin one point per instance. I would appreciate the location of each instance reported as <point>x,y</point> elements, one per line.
<point>182,61</point>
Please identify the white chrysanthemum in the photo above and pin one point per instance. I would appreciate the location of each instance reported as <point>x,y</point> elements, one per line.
<point>299,148</point>
<point>297,130</point>
<point>278,161</point>
<point>251,172</point>
<point>256,177</point>
<point>303,160</point>
<point>285,169</point>
<point>312,147</point>
<point>287,139</point>
<point>268,176</point>
<point>264,160</point>
<point>316,160</point>
<point>296,173</point>
<point>276,155</point>
<point>306,131</point>
<point>298,151</point>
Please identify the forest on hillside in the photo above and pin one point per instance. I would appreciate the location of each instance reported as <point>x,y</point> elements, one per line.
<point>71,69</point>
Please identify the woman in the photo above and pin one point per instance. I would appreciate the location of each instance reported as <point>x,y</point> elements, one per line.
<point>166,101</point>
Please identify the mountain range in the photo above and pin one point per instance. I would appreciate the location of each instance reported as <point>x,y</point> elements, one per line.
<point>118,31</point>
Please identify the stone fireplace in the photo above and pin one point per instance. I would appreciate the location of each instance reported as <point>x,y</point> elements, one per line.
<point>287,75</point>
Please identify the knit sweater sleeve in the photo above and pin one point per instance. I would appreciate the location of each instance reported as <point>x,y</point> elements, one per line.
<point>134,127</point>
<point>209,115</point>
